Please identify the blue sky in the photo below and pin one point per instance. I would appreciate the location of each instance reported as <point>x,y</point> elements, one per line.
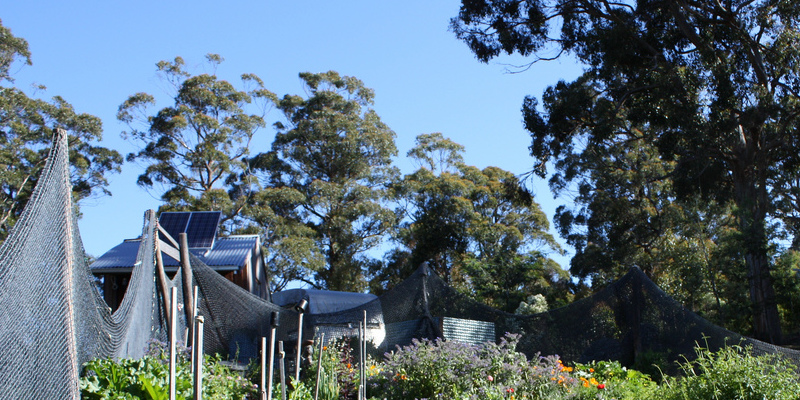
<point>97,53</point>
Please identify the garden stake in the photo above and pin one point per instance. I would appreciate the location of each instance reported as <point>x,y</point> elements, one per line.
<point>263,381</point>
<point>301,309</point>
<point>360,359</point>
<point>198,354</point>
<point>364,358</point>
<point>274,322</point>
<point>173,336</point>
<point>194,316</point>
<point>319,365</point>
<point>282,369</point>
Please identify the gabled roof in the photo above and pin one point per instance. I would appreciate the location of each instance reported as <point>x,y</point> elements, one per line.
<point>228,254</point>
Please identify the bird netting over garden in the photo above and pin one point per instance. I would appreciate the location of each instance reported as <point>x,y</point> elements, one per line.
<point>53,319</point>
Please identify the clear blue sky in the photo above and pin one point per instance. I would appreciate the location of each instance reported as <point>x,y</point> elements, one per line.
<point>96,53</point>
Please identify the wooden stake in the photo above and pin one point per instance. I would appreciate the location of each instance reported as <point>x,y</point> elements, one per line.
<point>186,268</point>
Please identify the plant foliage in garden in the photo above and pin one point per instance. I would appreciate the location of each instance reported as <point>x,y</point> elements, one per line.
<point>441,369</point>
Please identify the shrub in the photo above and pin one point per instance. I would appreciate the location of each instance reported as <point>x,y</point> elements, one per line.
<point>148,378</point>
<point>449,370</point>
<point>733,373</point>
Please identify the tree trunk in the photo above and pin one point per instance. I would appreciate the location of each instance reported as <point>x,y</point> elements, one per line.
<point>752,200</point>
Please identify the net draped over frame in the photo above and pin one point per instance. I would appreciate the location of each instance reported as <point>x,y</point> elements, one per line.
<point>53,319</point>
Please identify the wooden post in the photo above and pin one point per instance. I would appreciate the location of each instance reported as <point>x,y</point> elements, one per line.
<point>162,276</point>
<point>188,302</point>
<point>173,337</point>
<point>198,356</point>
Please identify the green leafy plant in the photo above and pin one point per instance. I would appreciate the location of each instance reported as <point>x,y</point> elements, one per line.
<point>148,378</point>
<point>733,373</point>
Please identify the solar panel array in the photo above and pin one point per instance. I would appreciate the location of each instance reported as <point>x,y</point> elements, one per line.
<point>200,226</point>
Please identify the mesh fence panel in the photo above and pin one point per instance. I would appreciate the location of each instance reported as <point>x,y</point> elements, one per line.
<point>52,318</point>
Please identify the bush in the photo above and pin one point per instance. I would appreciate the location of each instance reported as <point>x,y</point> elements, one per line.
<point>449,370</point>
<point>733,373</point>
<point>148,378</point>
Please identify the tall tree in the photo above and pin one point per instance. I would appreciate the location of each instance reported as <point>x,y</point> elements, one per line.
<point>713,85</point>
<point>26,131</point>
<point>198,146</point>
<point>480,230</point>
<point>336,154</point>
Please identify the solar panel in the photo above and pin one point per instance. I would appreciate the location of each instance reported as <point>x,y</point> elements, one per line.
<point>200,226</point>
<point>174,222</point>
<point>203,228</point>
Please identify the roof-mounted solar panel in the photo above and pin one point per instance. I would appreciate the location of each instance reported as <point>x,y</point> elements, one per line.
<point>200,226</point>
<point>174,222</point>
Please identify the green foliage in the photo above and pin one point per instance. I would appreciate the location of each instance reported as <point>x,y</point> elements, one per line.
<point>439,369</point>
<point>11,49</point>
<point>715,105</point>
<point>339,377</point>
<point>196,147</point>
<point>480,230</point>
<point>449,370</point>
<point>733,373</point>
<point>532,305</point>
<point>330,161</point>
<point>148,378</point>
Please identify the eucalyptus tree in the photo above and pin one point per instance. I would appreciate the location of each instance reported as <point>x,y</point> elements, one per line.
<point>197,147</point>
<point>714,85</point>
<point>27,126</point>
<point>333,157</point>
<point>479,229</point>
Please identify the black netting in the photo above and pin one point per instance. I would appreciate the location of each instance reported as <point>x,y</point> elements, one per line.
<point>235,320</point>
<point>627,319</point>
<point>52,318</point>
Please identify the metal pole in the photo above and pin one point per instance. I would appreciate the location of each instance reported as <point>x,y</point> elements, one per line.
<point>274,322</point>
<point>364,357</point>
<point>301,309</point>
<point>173,337</point>
<point>319,365</point>
<point>360,360</point>
<point>263,381</point>
<point>282,366</point>
<point>198,353</point>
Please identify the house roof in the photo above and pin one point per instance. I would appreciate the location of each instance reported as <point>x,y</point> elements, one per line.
<point>228,254</point>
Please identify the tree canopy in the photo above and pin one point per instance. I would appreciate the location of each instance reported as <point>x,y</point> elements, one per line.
<point>712,85</point>
<point>197,147</point>
<point>334,154</point>
<point>479,229</point>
